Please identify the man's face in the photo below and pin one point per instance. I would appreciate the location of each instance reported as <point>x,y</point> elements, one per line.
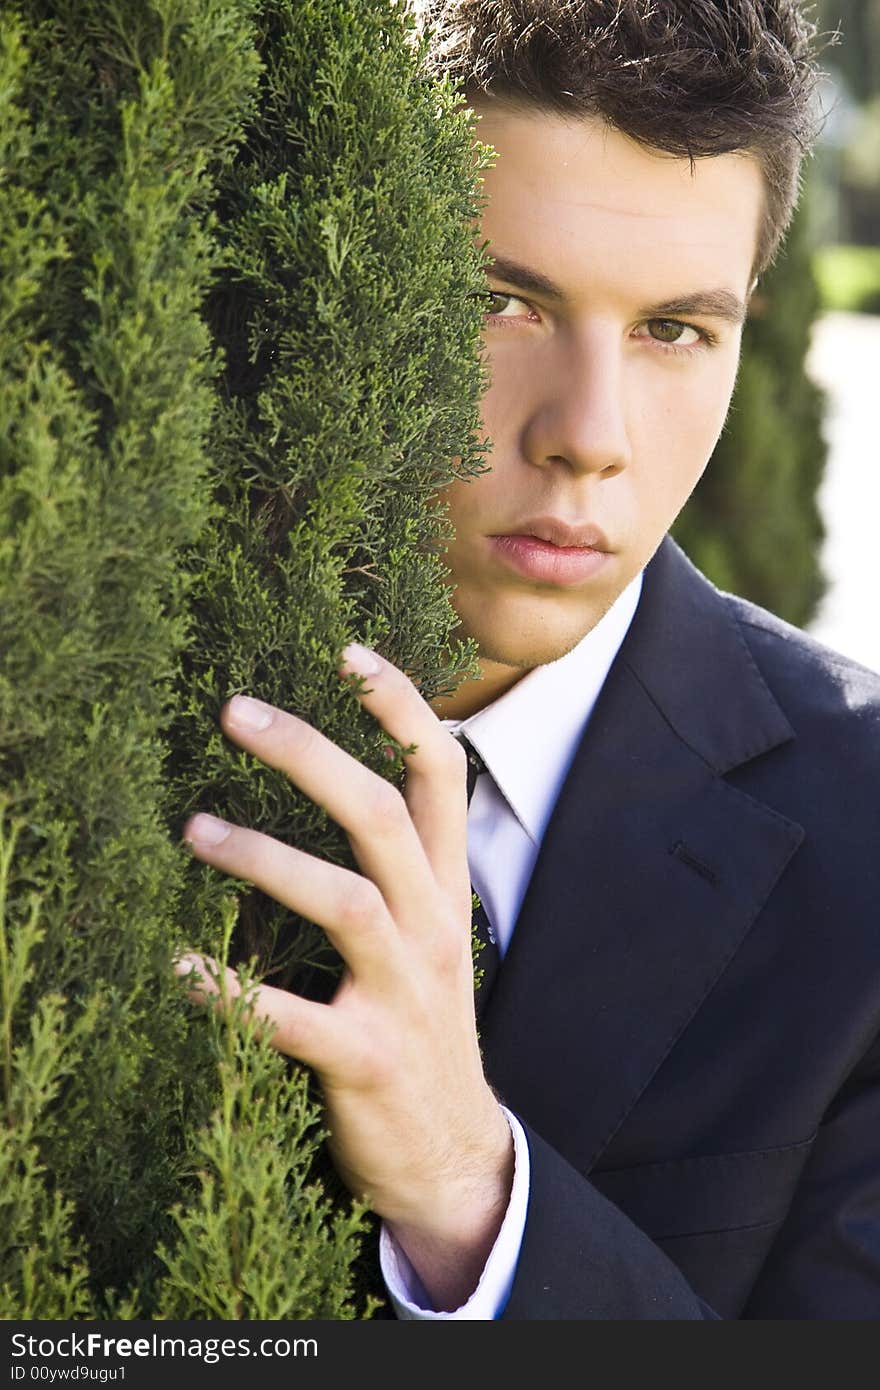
<point>612,340</point>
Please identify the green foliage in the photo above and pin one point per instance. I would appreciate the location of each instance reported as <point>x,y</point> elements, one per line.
<point>237,359</point>
<point>351,381</point>
<point>42,1272</point>
<point>103,415</point>
<point>861,158</point>
<point>259,1207</point>
<point>848,278</point>
<point>752,524</point>
<point>857,54</point>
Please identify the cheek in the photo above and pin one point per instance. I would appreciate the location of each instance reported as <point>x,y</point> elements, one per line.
<point>681,421</point>
<point>510,372</point>
<point>465,500</point>
<point>674,446</point>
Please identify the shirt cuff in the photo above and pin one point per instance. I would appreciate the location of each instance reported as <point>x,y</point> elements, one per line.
<point>487,1302</point>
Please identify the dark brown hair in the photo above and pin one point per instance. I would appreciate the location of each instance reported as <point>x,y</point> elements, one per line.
<point>688,77</point>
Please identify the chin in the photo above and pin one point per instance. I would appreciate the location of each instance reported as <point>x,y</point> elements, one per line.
<point>524,650</point>
<point>524,635</point>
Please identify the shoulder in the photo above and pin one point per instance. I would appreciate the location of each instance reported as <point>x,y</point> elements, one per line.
<point>735,682</point>
<point>809,679</point>
<point>826,780</point>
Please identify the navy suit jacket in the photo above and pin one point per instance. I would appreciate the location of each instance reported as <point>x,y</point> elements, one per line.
<point>687,1018</point>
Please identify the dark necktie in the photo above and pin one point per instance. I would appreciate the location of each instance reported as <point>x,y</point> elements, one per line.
<point>488,958</point>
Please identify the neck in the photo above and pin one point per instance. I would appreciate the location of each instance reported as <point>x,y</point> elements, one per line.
<point>473,695</point>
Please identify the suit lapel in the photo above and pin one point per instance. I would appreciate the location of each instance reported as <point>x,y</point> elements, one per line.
<point>651,873</point>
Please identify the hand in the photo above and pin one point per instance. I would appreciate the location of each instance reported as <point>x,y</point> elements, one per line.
<point>415,1129</point>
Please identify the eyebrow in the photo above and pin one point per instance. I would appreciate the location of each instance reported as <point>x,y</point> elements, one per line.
<point>716,304</point>
<point>713,304</point>
<point>524,278</point>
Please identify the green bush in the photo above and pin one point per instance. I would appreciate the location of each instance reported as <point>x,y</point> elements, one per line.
<point>753,523</point>
<point>236,249</point>
<point>848,278</point>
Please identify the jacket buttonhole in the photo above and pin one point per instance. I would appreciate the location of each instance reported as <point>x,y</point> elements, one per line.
<point>680,851</point>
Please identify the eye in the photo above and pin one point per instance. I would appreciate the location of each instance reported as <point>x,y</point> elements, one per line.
<point>673,333</point>
<point>500,305</point>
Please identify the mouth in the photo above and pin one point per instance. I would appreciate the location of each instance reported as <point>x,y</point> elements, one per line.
<point>549,551</point>
<point>562,535</point>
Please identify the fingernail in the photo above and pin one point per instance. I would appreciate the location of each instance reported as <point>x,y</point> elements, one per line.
<point>360,660</point>
<point>185,965</point>
<point>206,830</point>
<point>249,714</point>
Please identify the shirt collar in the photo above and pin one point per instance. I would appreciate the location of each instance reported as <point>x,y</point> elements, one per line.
<point>528,736</point>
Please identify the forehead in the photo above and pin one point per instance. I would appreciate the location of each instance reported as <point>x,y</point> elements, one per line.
<point>577,197</point>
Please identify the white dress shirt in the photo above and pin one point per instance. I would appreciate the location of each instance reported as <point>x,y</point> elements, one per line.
<point>527,739</point>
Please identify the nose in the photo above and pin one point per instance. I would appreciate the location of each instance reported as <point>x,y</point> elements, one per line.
<point>577,418</point>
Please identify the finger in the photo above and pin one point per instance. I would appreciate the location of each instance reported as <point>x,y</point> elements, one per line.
<point>436,771</point>
<point>372,812</point>
<point>349,908</point>
<point>313,1033</point>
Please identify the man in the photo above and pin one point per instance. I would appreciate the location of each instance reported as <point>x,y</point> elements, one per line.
<point>676,835</point>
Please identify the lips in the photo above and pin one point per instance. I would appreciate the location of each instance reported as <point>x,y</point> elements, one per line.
<point>549,551</point>
<point>562,534</point>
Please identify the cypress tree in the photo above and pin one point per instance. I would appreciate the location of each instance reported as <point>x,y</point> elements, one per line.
<point>349,328</point>
<point>237,360</point>
<point>105,407</point>
<point>753,523</point>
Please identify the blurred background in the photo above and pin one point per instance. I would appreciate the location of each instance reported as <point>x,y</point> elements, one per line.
<point>788,513</point>
<point>844,355</point>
